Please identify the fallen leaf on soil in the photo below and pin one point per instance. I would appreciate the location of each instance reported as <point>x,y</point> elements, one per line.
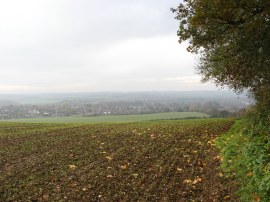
<point>218,158</point>
<point>220,174</point>
<point>72,167</point>
<point>109,158</point>
<point>135,175</point>
<point>179,169</point>
<point>227,197</point>
<point>197,180</point>
<point>123,167</point>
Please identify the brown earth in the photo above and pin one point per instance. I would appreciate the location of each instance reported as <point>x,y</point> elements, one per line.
<point>147,161</point>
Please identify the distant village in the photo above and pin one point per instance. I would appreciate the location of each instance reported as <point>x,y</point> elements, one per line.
<point>212,108</point>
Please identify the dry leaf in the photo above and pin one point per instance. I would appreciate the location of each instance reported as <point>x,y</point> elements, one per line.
<point>197,180</point>
<point>250,173</point>
<point>256,197</point>
<point>109,158</point>
<point>220,174</point>
<point>218,158</point>
<point>227,197</point>
<point>135,175</point>
<point>179,169</point>
<point>72,167</point>
<point>265,169</point>
<point>123,167</point>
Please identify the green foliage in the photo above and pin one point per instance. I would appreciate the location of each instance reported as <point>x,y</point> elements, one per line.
<point>246,156</point>
<point>233,40</point>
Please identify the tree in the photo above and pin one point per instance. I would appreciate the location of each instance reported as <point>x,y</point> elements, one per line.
<point>233,40</point>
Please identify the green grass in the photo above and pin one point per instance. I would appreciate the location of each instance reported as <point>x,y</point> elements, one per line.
<point>142,161</point>
<point>246,157</point>
<point>113,119</point>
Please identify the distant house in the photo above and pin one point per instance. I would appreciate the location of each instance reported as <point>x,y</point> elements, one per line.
<point>46,114</point>
<point>35,112</point>
<point>106,113</point>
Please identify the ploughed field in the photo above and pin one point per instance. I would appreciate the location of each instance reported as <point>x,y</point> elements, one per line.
<point>146,161</point>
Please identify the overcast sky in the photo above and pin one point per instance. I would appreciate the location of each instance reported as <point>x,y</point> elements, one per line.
<point>93,45</point>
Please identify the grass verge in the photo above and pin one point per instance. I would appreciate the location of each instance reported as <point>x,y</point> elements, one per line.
<point>245,153</point>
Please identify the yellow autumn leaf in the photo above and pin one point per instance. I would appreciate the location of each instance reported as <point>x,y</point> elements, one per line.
<point>197,180</point>
<point>200,143</point>
<point>227,197</point>
<point>179,169</point>
<point>256,197</point>
<point>72,167</point>
<point>220,174</point>
<point>266,168</point>
<point>250,173</point>
<point>123,167</point>
<point>135,175</point>
<point>218,158</point>
<point>109,158</point>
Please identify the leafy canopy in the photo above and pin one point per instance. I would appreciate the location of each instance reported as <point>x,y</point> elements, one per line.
<point>233,39</point>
